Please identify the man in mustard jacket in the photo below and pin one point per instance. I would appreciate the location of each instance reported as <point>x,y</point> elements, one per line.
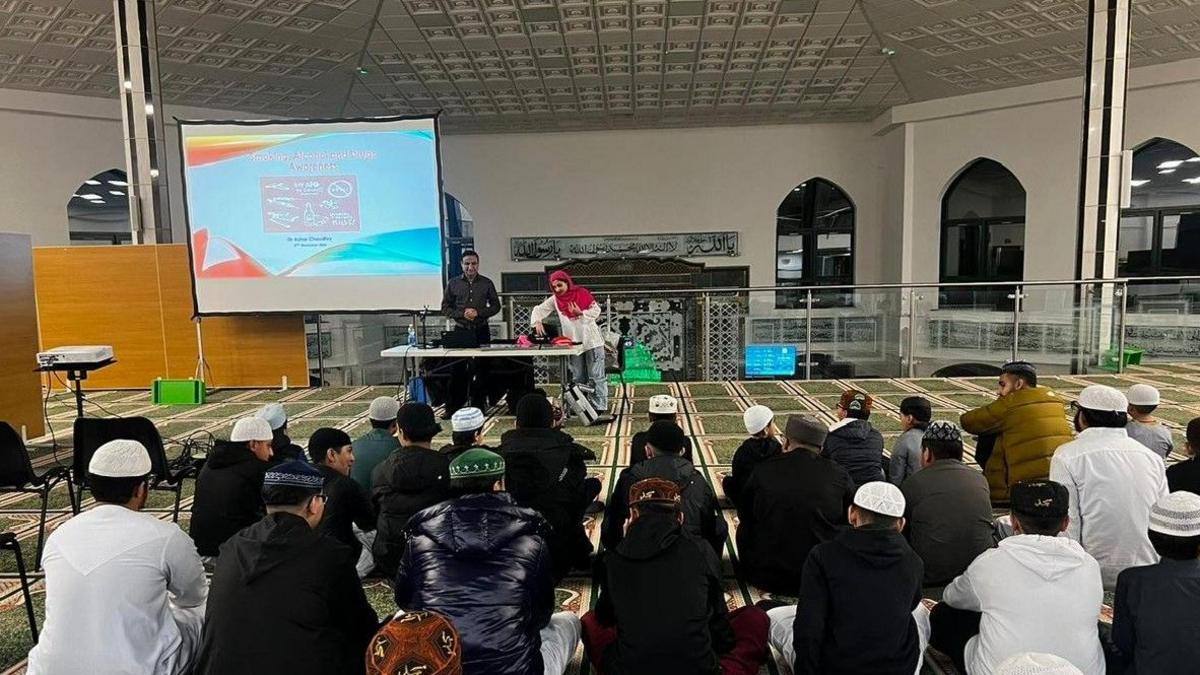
<point>1024,427</point>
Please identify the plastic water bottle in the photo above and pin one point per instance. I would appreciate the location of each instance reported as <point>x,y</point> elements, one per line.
<point>412,337</point>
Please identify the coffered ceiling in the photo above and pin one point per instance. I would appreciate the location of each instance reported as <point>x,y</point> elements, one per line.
<point>531,65</point>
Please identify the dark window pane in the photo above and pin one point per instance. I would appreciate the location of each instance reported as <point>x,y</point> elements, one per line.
<point>985,190</point>
<point>814,238</point>
<point>1165,174</point>
<point>793,206</point>
<point>1006,251</point>
<point>1181,244</point>
<point>961,257</point>
<point>1135,244</point>
<point>831,207</point>
<point>835,255</point>
<point>789,265</point>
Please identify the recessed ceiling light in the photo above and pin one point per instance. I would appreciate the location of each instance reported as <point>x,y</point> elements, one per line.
<point>1170,164</point>
<point>116,192</point>
<point>1193,159</point>
<point>1193,181</point>
<point>1138,182</point>
<point>91,181</point>
<point>1167,171</point>
<point>91,195</point>
<point>118,183</point>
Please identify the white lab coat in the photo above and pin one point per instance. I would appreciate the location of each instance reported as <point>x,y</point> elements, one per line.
<point>1037,594</point>
<point>125,593</point>
<point>1113,481</point>
<point>581,329</point>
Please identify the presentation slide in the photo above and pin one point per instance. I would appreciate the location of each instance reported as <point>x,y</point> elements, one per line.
<point>331,216</point>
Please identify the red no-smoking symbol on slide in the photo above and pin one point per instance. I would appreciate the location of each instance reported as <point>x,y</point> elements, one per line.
<point>340,189</point>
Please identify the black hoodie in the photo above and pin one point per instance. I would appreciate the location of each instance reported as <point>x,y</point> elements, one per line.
<point>663,591</point>
<point>858,447</point>
<point>228,495</point>
<point>285,599</point>
<point>406,481</point>
<point>857,595</point>
<point>702,513</point>
<point>749,454</point>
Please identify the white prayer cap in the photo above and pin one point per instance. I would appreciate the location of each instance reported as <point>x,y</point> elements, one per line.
<point>1142,394</point>
<point>467,419</point>
<point>120,459</point>
<point>274,414</point>
<point>1176,514</point>
<point>1102,398</point>
<point>756,418</point>
<point>880,497</point>
<point>663,404</point>
<point>1035,663</point>
<point>251,429</point>
<point>384,409</point>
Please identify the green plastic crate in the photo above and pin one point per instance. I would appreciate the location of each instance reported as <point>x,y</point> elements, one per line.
<point>177,392</point>
<point>1132,356</point>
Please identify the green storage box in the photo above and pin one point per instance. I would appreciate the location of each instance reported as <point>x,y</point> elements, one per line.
<point>177,392</point>
<point>1132,356</point>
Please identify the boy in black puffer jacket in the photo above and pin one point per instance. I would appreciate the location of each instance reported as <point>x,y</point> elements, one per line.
<point>853,442</point>
<point>761,445</point>
<point>483,561</point>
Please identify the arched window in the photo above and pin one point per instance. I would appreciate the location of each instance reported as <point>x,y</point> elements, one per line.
<point>98,212</point>
<point>814,239</point>
<point>983,225</point>
<point>459,232</point>
<point>1160,231</point>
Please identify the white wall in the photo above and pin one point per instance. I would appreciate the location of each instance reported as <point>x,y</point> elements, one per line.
<point>620,182</point>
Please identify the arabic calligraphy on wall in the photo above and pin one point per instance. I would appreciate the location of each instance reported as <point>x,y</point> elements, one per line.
<point>675,245</point>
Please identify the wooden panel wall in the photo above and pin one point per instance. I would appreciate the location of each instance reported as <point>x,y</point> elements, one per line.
<point>20,391</point>
<point>139,300</point>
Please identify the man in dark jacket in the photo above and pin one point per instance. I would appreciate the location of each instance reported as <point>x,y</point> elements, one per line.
<point>545,471</point>
<point>662,603</point>
<point>483,562</point>
<point>412,478</point>
<point>229,488</point>
<point>1155,622</point>
<point>282,447</point>
<point>948,509</point>
<point>346,504</point>
<point>792,502</point>
<point>284,597</point>
<point>662,407</point>
<point>853,442</point>
<point>861,610</point>
<point>761,445</point>
<point>702,513</point>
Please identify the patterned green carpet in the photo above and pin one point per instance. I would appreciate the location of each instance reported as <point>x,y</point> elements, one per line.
<point>711,415</point>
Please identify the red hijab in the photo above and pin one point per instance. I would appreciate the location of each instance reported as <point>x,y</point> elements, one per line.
<point>574,293</point>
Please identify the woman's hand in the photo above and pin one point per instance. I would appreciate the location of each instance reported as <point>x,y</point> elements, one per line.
<point>574,307</point>
<point>539,329</point>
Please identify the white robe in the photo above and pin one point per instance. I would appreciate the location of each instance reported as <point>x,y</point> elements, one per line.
<point>125,593</point>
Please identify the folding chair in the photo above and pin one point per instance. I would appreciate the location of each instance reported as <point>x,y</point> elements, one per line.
<point>8,541</point>
<point>17,475</point>
<point>92,432</point>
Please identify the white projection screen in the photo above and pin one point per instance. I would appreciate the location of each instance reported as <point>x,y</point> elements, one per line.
<point>317,216</point>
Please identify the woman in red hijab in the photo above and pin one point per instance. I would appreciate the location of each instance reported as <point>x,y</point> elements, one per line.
<point>577,313</point>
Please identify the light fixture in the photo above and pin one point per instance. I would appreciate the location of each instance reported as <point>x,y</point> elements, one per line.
<point>1193,181</point>
<point>116,192</point>
<point>887,51</point>
<point>1139,182</point>
<point>361,70</point>
<point>149,108</point>
<point>128,85</point>
<point>97,202</point>
<point>118,183</point>
<point>154,173</point>
<point>1170,164</point>
<point>91,181</point>
<point>91,195</point>
<point>1167,171</point>
<point>1193,159</point>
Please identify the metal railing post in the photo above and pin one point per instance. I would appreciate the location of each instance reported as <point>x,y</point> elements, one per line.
<point>808,334</point>
<point>512,317</point>
<point>1017,295</point>
<point>707,337</point>
<point>912,329</point>
<point>321,354</point>
<point>1123,291</point>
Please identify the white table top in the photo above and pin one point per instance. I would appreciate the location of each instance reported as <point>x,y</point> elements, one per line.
<point>506,351</point>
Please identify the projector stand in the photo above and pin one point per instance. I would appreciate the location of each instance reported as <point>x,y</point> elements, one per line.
<point>201,364</point>
<point>76,373</point>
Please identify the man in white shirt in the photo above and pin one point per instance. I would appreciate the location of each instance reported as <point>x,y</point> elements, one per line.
<point>125,592</point>
<point>1113,481</point>
<point>1035,592</point>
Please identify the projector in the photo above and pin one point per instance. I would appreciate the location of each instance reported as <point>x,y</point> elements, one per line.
<point>66,356</point>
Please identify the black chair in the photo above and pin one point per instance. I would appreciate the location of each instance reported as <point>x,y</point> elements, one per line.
<point>17,475</point>
<point>92,432</point>
<point>8,542</point>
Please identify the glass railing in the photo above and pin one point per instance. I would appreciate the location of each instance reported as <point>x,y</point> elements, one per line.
<point>864,331</point>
